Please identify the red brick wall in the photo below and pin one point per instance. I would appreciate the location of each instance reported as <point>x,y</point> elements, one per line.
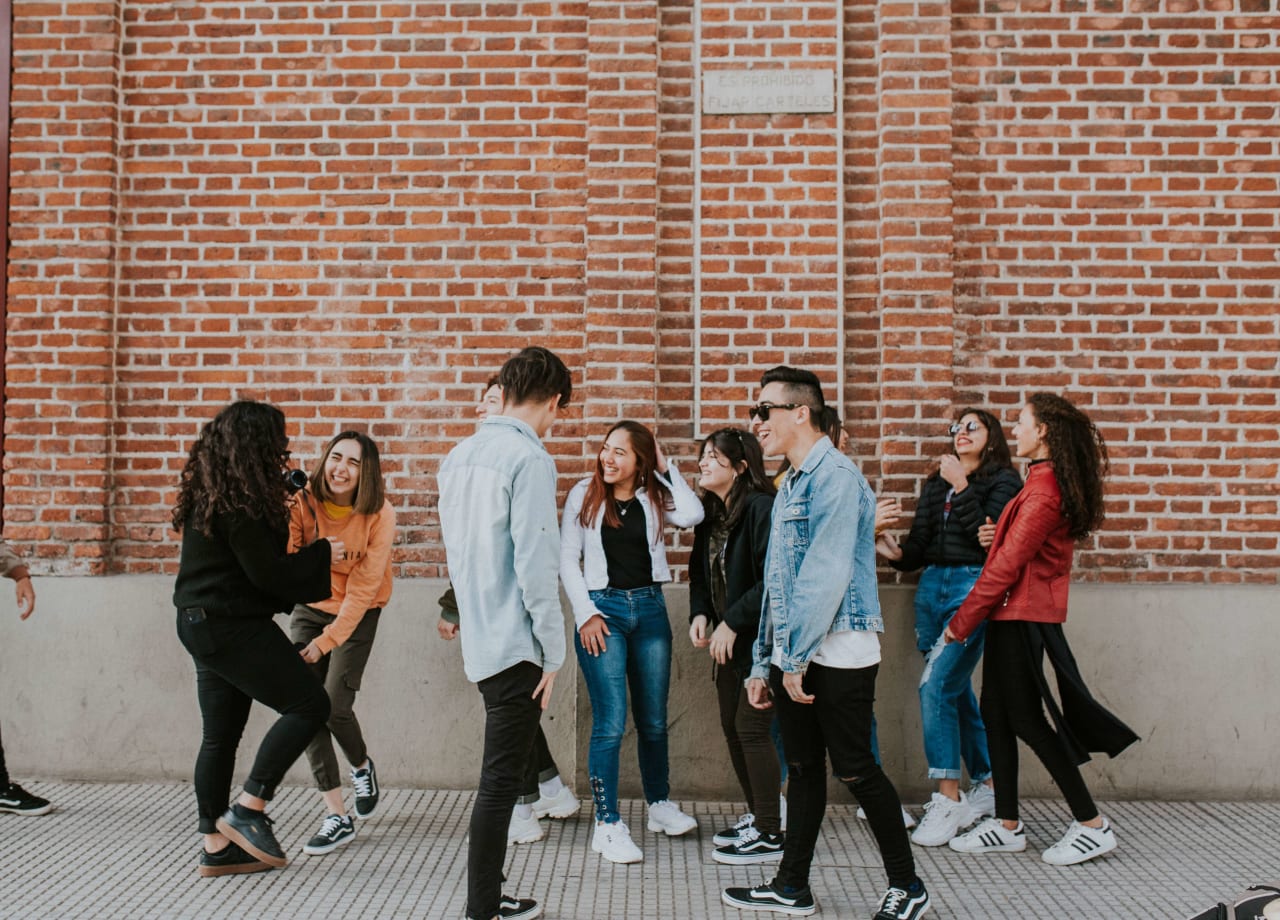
<point>357,210</point>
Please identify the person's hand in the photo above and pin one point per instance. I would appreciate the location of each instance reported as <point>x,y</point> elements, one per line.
<point>987,533</point>
<point>446,629</point>
<point>722,643</point>
<point>793,683</point>
<point>698,632</point>
<point>661,458</point>
<point>311,652</point>
<point>26,597</point>
<point>337,551</point>
<point>888,511</point>
<point>948,636</point>
<point>592,635</point>
<point>758,693</point>
<point>544,687</point>
<point>952,471</point>
<point>888,547</point>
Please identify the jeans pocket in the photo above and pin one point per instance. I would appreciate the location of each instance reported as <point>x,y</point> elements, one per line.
<point>194,632</point>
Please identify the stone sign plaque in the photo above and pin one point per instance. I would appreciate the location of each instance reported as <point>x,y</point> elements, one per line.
<point>742,92</point>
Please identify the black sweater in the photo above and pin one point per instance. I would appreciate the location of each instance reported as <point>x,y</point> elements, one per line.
<point>955,542</point>
<point>245,570</point>
<point>744,575</point>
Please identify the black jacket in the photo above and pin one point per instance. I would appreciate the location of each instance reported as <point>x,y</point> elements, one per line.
<point>245,570</point>
<point>932,542</point>
<point>744,575</point>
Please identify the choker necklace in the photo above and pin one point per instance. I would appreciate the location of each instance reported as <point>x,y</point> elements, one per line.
<point>624,507</point>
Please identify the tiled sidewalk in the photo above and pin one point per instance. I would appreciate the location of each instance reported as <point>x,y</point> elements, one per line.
<point>129,851</point>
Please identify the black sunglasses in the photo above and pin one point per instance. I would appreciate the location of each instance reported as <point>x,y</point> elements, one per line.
<point>970,427</point>
<point>762,410</point>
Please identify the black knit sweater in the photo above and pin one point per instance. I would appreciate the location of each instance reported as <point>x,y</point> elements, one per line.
<point>955,541</point>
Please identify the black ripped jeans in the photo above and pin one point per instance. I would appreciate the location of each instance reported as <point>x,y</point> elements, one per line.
<point>836,724</point>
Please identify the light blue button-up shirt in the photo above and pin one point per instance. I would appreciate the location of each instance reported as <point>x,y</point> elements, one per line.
<point>502,541</point>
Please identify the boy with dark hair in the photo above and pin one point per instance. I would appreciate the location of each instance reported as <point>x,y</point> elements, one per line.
<point>817,652</point>
<point>502,540</point>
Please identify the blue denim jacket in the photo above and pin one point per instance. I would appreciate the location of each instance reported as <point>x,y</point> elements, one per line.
<point>820,570</point>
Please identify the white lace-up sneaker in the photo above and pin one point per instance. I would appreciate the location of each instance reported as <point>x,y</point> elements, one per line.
<point>991,836</point>
<point>667,818</point>
<point>524,830</point>
<point>564,804</point>
<point>982,801</point>
<point>942,820</point>
<point>614,843</point>
<point>907,821</point>
<point>1080,844</point>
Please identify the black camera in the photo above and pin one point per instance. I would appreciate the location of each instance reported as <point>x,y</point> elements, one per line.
<point>296,480</point>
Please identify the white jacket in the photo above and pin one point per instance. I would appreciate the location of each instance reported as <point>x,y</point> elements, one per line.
<point>583,567</point>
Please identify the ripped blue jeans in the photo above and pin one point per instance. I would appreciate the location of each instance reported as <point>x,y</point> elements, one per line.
<point>953,729</point>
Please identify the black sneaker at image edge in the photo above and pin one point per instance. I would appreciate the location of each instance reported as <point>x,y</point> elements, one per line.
<point>19,801</point>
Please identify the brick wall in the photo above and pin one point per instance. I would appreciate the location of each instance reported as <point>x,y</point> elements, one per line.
<point>357,210</point>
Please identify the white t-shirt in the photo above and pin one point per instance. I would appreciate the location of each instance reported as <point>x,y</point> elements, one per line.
<point>851,648</point>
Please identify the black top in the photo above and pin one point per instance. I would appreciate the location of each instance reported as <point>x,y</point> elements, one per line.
<point>744,554</point>
<point>245,570</point>
<point>954,541</point>
<point>626,548</point>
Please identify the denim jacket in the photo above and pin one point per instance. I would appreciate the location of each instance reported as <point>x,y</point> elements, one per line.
<point>820,571</point>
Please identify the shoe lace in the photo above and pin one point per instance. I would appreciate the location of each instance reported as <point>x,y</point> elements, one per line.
<point>362,782</point>
<point>331,825</point>
<point>749,834</point>
<point>893,899</point>
<point>745,821</point>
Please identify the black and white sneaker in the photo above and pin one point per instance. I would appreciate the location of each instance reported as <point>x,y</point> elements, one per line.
<point>336,831</point>
<point>510,908</point>
<point>752,847</point>
<point>795,901</point>
<point>1080,844</point>
<point>365,782</point>
<point>903,904</point>
<point>730,834</point>
<point>18,801</point>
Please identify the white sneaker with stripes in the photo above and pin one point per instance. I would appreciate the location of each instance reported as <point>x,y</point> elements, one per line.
<point>991,836</point>
<point>1081,843</point>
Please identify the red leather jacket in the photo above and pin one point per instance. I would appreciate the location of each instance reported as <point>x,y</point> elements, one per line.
<point>1028,569</point>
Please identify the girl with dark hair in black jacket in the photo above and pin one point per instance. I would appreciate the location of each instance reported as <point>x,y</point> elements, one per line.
<point>726,582</point>
<point>234,574</point>
<point>972,485</point>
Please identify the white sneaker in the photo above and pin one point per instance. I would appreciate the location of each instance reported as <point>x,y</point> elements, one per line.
<point>991,836</point>
<point>614,843</point>
<point>564,804</point>
<point>524,830</point>
<point>907,821</point>
<point>942,820</point>
<point>1080,844</point>
<point>667,818</point>
<point>982,801</point>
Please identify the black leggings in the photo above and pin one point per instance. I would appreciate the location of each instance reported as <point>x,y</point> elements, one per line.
<point>1013,708</point>
<point>239,661</point>
<point>4,772</point>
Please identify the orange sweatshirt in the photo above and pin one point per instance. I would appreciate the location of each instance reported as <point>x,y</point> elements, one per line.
<point>363,578</point>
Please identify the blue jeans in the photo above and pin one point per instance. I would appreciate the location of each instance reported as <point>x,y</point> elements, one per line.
<point>637,654</point>
<point>953,729</point>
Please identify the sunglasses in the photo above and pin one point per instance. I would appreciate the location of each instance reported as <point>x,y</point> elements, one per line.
<point>762,410</point>
<point>970,427</point>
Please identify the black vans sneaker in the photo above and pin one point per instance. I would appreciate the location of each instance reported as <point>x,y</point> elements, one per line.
<point>903,903</point>
<point>795,901</point>
<point>252,831</point>
<point>336,831</point>
<point>510,908</point>
<point>730,834</point>
<point>365,782</point>
<point>752,847</point>
<point>19,801</point>
<point>230,860</point>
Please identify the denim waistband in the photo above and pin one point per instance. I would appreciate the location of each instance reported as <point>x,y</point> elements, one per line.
<point>652,590</point>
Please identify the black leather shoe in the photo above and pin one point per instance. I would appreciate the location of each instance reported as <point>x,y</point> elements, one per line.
<point>230,860</point>
<point>252,831</point>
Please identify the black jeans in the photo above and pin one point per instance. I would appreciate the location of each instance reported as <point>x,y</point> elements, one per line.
<point>511,717</point>
<point>1013,708</point>
<point>751,749</point>
<point>239,661</point>
<point>4,771</point>
<point>837,723</point>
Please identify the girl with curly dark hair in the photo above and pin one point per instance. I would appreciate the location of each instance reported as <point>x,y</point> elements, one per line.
<point>234,574</point>
<point>1022,596</point>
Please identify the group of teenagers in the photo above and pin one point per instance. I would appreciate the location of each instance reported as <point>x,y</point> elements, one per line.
<point>783,597</point>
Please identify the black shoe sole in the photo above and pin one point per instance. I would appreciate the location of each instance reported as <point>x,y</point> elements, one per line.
<point>226,830</point>
<point>235,869</point>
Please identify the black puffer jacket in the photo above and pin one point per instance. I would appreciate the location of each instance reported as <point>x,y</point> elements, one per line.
<point>744,575</point>
<point>955,542</point>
